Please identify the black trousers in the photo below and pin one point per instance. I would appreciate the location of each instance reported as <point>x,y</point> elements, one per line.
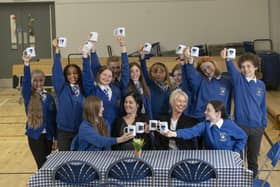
<point>64,139</point>
<point>253,147</point>
<point>40,149</point>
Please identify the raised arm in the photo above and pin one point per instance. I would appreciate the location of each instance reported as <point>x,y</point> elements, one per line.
<point>192,77</point>
<point>144,67</point>
<point>26,81</point>
<point>88,78</point>
<point>125,74</point>
<point>233,72</point>
<point>95,64</point>
<point>58,79</point>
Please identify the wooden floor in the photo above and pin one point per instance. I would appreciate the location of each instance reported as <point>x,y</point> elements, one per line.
<point>17,164</point>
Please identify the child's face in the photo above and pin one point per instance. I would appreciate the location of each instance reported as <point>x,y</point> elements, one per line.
<point>248,69</point>
<point>158,73</point>
<point>130,105</point>
<point>72,75</point>
<point>135,73</point>
<point>177,75</point>
<point>179,104</point>
<point>115,67</point>
<point>211,114</point>
<point>38,81</point>
<point>101,110</point>
<point>105,77</point>
<point>208,69</point>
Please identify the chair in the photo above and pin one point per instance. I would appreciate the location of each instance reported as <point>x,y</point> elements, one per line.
<point>129,170</point>
<point>109,184</point>
<point>75,172</point>
<point>192,171</point>
<point>273,155</point>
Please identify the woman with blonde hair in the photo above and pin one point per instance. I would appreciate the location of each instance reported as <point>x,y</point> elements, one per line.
<point>178,101</point>
<point>40,109</point>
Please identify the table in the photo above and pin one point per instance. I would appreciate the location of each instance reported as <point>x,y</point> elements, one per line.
<point>228,165</point>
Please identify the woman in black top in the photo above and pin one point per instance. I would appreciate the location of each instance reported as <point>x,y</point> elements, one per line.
<point>177,120</point>
<point>132,106</point>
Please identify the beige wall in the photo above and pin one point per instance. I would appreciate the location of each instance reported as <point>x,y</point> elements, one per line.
<point>170,21</point>
<point>274,14</point>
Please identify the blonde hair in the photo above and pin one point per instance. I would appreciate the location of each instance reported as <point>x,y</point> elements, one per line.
<point>35,106</point>
<point>92,107</point>
<point>175,94</point>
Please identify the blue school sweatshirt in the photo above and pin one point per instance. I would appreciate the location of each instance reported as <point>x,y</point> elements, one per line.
<point>206,90</point>
<point>228,137</point>
<point>185,86</point>
<point>91,140</point>
<point>69,106</point>
<point>249,99</point>
<point>95,66</point>
<point>146,99</point>
<point>49,109</point>
<point>111,107</point>
<point>159,97</point>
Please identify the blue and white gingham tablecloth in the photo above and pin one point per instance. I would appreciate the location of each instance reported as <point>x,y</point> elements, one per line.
<point>231,172</point>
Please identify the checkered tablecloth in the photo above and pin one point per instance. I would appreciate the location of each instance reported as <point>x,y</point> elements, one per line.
<point>229,166</point>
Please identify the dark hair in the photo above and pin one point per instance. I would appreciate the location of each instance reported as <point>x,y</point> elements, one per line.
<point>131,85</point>
<point>79,81</point>
<point>219,107</point>
<point>249,57</point>
<point>137,98</point>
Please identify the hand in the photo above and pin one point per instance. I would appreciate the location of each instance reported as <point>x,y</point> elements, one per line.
<point>140,50</point>
<point>121,40</point>
<point>187,52</point>
<point>125,137</point>
<point>55,45</point>
<point>85,49</point>
<point>187,55</point>
<point>54,145</point>
<point>93,48</point>
<point>169,134</point>
<point>224,53</point>
<point>26,59</point>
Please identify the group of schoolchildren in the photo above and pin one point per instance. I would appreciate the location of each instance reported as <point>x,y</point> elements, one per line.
<point>94,105</point>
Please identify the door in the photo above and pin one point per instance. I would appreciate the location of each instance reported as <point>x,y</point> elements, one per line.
<point>24,25</point>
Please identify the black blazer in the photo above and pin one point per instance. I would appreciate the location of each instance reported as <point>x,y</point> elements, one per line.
<point>162,142</point>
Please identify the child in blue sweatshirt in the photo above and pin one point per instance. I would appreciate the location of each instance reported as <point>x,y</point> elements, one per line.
<point>159,84</point>
<point>68,87</point>
<point>218,132</point>
<point>249,102</point>
<point>41,113</point>
<point>102,87</point>
<point>206,83</point>
<point>134,81</point>
<point>93,132</point>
